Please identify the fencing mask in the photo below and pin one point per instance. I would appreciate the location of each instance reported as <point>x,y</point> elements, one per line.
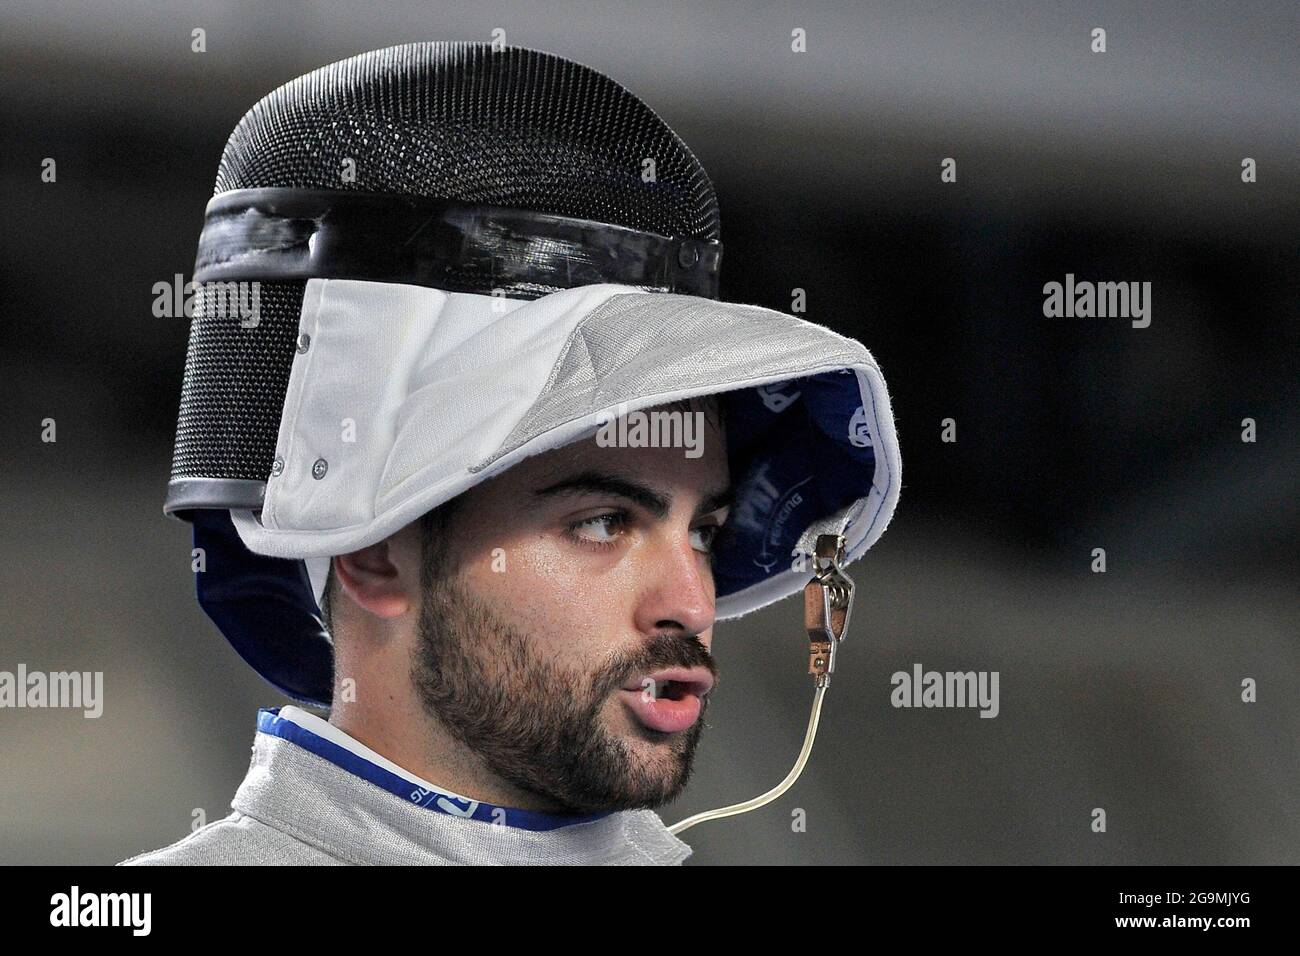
<point>424,264</point>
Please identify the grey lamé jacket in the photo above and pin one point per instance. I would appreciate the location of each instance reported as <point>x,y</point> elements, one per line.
<point>296,807</point>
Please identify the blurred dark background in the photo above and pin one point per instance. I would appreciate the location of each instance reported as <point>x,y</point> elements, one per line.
<point>1118,690</point>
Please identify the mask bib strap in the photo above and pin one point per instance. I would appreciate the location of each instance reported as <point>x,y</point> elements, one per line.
<point>828,599</point>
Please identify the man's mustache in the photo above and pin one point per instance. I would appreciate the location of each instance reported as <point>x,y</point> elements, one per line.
<point>659,652</point>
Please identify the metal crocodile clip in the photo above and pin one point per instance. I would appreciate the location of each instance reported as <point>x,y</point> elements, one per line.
<point>828,598</point>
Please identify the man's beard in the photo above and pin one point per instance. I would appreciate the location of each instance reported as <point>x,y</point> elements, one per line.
<point>537,725</point>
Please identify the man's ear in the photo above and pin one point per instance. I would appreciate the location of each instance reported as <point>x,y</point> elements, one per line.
<point>373,581</point>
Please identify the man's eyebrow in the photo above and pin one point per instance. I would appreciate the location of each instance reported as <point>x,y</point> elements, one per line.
<point>655,502</point>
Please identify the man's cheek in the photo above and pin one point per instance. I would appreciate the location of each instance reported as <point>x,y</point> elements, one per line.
<point>543,556</point>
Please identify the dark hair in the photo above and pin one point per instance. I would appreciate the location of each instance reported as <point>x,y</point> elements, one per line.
<point>713,406</point>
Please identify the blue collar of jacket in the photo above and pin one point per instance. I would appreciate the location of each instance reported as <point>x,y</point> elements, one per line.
<point>360,760</point>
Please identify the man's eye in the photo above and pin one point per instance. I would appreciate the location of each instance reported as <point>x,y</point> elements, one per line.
<point>600,529</point>
<point>702,538</point>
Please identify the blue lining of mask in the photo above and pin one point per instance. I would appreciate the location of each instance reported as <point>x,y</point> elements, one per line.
<point>799,450</point>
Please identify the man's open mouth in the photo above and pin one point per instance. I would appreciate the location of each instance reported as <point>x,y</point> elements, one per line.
<point>669,701</point>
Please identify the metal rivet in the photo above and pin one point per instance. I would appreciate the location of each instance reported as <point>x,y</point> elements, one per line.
<point>304,343</point>
<point>318,470</point>
<point>688,253</point>
<point>277,466</point>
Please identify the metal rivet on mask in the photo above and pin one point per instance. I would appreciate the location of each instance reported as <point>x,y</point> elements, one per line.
<point>318,470</point>
<point>277,466</point>
<point>304,343</point>
<point>688,254</point>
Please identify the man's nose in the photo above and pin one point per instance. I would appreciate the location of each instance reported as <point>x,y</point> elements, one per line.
<point>678,588</point>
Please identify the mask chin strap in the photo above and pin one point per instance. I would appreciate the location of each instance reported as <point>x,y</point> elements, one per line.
<point>828,599</point>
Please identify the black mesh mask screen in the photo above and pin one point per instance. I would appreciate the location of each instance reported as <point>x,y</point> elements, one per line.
<point>515,127</point>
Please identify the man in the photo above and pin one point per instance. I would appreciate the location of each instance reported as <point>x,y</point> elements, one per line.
<point>493,431</point>
<point>567,682</point>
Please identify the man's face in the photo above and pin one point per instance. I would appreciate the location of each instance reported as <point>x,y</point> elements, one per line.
<point>569,583</point>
